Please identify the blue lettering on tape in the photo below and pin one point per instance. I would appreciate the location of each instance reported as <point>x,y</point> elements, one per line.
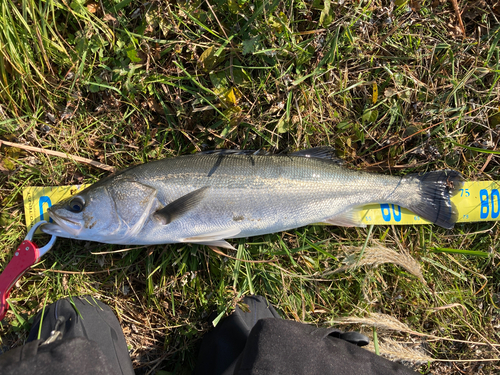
<point>397,216</point>
<point>485,208</point>
<point>495,203</point>
<point>44,199</point>
<point>386,211</point>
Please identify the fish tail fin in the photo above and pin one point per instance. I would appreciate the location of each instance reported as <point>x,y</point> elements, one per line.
<point>436,189</point>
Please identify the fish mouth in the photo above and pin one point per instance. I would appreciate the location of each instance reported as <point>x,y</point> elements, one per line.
<point>63,227</point>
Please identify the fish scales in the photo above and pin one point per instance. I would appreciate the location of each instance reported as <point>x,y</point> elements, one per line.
<point>207,198</point>
<point>261,191</point>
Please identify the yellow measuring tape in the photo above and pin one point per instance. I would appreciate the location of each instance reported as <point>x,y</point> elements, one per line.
<point>476,201</point>
<point>38,199</point>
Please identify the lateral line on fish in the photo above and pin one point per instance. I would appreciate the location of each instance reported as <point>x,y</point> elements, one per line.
<point>473,202</point>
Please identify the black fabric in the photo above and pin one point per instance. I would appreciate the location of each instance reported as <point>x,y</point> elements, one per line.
<point>353,337</point>
<point>288,347</point>
<point>82,336</point>
<point>223,345</point>
<point>260,342</point>
<point>79,317</point>
<point>63,357</point>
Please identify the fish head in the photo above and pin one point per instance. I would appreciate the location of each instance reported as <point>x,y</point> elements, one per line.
<point>86,215</point>
<point>104,212</point>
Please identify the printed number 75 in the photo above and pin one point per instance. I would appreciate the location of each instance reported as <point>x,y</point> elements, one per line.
<point>464,191</point>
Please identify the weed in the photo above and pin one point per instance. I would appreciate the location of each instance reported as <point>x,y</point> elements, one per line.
<point>395,86</point>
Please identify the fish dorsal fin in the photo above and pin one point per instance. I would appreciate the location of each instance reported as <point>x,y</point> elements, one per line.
<point>235,152</point>
<point>180,206</point>
<point>323,152</point>
<point>214,238</point>
<point>349,218</point>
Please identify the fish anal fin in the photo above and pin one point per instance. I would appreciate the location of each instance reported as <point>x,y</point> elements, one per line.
<point>350,218</point>
<point>214,238</point>
<point>180,206</point>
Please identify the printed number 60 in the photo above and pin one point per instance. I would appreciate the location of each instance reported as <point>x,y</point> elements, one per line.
<point>386,212</point>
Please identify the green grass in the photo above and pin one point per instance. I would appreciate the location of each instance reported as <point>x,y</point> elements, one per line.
<point>128,82</point>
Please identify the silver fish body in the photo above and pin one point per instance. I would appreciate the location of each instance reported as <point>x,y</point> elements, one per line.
<point>207,198</point>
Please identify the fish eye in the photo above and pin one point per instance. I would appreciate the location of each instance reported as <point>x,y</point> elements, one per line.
<point>76,205</point>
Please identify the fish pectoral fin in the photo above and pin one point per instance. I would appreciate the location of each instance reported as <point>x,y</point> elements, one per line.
<point>180,206</point>
<point>350,218</point>
<point>214,238</point>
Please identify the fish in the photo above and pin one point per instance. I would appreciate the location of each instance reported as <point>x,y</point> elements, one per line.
<point>210,197</point>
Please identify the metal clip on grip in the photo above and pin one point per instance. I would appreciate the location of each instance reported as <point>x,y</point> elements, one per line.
<point>26,255</point>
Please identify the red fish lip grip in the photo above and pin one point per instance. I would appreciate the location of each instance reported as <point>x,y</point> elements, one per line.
<point>26,255</point>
